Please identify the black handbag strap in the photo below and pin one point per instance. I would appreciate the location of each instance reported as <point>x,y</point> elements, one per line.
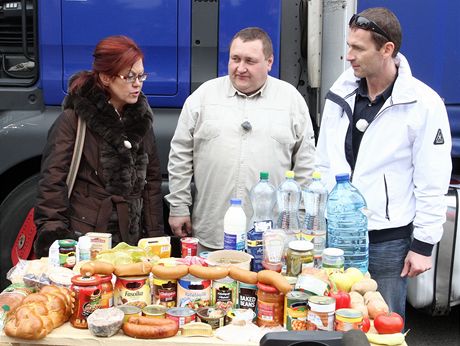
<point>77,153</point>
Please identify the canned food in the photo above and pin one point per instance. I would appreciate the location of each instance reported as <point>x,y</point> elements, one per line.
<point>214,317</point>
<point>130,310</point>
<point>133,290</point>
<point>247,296</point>
<point>165,292</point>
<point>320,315</point>
<point>181,316</point>
<point>189,246</point>
<point>193,292</point>
<point>224,293</point>
<point>295,310</point>
<point>107,291</point>
<point>347,319</point>
<point>155,311</point>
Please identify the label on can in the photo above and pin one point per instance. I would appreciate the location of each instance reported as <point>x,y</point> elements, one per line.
<point>165,292</point>
<point>320,315</point>
<point>189,246</point>
<point>348,319</point>
<point>181,316</point>
<point>224,293</point>
<point>295,310</point>
<point>247,297</point>
<point>193,292</point>
<point>132,290</point>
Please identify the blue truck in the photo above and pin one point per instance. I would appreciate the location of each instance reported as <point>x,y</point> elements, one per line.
<point>42,43</point>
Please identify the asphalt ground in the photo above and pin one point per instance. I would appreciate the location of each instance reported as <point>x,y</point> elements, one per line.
<point>426,330</point>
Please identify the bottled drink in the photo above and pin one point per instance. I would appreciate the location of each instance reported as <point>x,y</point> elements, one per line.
<point>315,197</point>
<point>263,199</point>
<point>288,196</point>
<point>346,223</point>
<point>235,226</point>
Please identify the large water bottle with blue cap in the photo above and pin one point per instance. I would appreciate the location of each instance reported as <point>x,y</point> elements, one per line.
<point>347,224</point>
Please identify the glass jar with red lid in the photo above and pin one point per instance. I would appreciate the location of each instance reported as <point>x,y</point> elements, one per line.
<point>87,292</point>
<point>107,291</point>
<point>270,306</point>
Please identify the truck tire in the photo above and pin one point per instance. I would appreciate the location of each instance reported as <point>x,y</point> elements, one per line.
<point>13,212</point>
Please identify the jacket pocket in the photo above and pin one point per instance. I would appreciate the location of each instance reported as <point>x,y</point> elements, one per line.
<point>208,130</point>
<point>387,198</point>
<point>282,134</point>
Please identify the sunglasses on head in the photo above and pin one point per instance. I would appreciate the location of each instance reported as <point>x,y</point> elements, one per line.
<point>366,24</point>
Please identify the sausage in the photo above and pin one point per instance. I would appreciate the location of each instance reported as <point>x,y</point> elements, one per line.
<point>170,273</point>
<point>96,267</point>
<point>133,269</point>
<point>150,328</point>
<point>208,273</point>
<point>275,279</point>
<point>243,275</point>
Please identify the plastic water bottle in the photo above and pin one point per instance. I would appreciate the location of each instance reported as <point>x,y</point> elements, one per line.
<point>288,196</point>
<point>263,199</point>
<point>314,198</point>
<point>346,223</point>
<point>235,226</point>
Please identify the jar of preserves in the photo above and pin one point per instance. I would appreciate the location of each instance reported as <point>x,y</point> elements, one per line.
<point>299,256</point>
<point>333,260</point>
<point>270,306</point>
<point>67,253</point>
<point>106,291</point>
<point>87,292</point>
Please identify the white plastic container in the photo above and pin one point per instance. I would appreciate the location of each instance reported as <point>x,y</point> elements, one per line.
<point>84,248</point>
<point>235,226</point>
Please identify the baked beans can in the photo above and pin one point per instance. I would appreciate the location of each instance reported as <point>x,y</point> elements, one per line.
<point>164,292</point>
<point>320,315</point>
<point>247,296</point>
<point>87,291</point>
<point>348,319</point>
<point>181,316</point>
<point>189,246</point>
<point>295,310</point>
<point>133,290</point>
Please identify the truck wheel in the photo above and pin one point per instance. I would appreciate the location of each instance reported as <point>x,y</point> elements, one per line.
<point>13,212</point>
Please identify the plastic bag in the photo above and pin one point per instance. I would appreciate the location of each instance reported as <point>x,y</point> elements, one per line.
<point>123,254</point>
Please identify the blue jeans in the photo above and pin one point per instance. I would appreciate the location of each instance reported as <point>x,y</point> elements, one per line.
<point>386,261</point>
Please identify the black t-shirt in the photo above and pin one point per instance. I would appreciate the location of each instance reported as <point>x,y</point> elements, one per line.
<point>367,110</point>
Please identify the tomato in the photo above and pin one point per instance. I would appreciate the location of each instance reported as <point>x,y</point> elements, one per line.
<point>389,323</point>
<point>342,299</point>
<point>366,325</point>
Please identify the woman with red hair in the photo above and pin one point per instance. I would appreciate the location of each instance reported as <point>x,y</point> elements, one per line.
<point>118,184</point>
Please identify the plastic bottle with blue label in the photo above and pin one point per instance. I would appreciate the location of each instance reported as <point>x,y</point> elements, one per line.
<point>235,224</point>
<point>347,224</point>
<point>263,199</point>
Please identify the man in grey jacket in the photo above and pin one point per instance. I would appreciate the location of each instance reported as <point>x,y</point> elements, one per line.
<point>391,132</point>
<point>229,130</point>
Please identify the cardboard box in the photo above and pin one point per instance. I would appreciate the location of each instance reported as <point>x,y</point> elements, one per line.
<point>99,242</point>
<point>157,246</point>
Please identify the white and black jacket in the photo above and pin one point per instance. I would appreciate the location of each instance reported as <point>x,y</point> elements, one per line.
<point>403,165</point>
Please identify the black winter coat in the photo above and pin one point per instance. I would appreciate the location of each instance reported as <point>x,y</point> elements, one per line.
<point>117,189</point>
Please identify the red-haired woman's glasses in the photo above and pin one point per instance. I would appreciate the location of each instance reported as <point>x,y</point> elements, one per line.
<point>131,78</point>
<point>367,24</point>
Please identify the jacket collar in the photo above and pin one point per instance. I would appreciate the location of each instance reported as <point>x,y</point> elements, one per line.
<point>91,103</point>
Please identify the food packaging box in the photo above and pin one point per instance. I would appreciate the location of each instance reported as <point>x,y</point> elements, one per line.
<point>157,246</point>
<point>99,242</point>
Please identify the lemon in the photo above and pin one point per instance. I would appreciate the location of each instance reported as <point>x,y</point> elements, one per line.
<point>342,281</point>
<point>355,274</point>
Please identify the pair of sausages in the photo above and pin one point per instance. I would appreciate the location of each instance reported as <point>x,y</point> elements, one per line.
<point>142,327</point>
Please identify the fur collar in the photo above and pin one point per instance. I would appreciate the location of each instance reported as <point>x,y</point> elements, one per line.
<point>91,103</point>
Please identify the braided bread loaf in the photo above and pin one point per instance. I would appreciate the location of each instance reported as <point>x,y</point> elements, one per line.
<point>39,313</point>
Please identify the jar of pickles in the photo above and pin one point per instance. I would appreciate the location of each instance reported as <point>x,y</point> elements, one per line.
<point>333,260</point>
<point>299,256</point>
<point>270,306</point>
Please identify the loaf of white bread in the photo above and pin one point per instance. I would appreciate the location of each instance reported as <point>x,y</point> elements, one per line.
<point>39,313</point>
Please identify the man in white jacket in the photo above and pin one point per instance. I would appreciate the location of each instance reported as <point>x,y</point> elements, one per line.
<point>390,131</point>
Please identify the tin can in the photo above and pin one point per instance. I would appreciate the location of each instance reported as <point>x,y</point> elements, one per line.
<point>181,316</point>
<point>130,310</point>
<point>295,310</point>
<point>189,246</point>
<point>204,254</point>
<point>87,291</point>
<point>348,319</point>
<point>133,290</point>
<point>224,293</point>
<point>164,292</point>
<point>320,315</point>
<point>247,296</point>
<point>193,292</point>
<point>214,317</point>
<point>154,311</point>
